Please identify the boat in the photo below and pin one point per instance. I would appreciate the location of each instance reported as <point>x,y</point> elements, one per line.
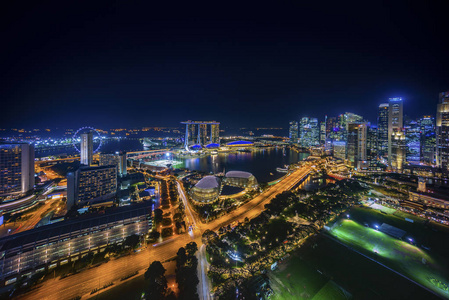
<point>214,152</point>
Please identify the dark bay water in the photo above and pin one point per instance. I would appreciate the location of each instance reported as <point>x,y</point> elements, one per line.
<point>107,146</point>
<point>262,163</point>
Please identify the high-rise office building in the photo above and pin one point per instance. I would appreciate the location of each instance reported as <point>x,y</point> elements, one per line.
<point>372,146</point>
<point>356,145</point>
<point>87,146</point>
<point>398,150</point>
<point>442,131</point>
<point>16,168</point>
<point>323,132</point>
<point>412,141</point>
<point>339,149</point>
<point>115,159</point>
<point>293,132</point>
<point>395,121</point>
<point>382,129</point>
<point>91,184</point>
<point>309,132</point>
<point>331,128</point>
<point>427,139</point>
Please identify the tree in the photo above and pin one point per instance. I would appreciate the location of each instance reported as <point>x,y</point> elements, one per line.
<point>182,257</point>
<point>191,248</point>
<point>157,283</point>
<point>158,215</point>
<point>132,241</point>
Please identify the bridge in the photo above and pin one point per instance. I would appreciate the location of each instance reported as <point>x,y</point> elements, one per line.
<point>147,153</point>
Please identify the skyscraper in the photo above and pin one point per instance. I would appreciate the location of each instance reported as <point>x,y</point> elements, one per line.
<point>413,141</point>
<point>215,133</point>
<point>309,132</point>
<point>87,146</point>
<point>293,132</point>
<point>16,168</point>
<point>322,132</point>
<point>442,131</point>
<point>398,150</point>
<point>427,139</point>
<point>382,129</point>
<point>372,147</point>
<point>395,121</point>
<point>356,145</point>
<point>115,159</point>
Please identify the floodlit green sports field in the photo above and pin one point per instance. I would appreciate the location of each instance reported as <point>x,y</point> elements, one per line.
<point>297,280</point>
<point>407,259</point>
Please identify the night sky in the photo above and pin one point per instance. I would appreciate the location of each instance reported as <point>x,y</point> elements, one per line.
<point>134,64</point>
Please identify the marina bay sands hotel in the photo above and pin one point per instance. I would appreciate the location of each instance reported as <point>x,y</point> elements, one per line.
<point>197,133</point>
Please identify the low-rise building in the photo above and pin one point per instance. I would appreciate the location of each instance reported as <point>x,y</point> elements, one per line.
<point>49,246</point>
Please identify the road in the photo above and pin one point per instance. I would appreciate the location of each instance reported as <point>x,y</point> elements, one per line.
<point>204,285</point>
<point>83,283</point>
<point>35,218</point>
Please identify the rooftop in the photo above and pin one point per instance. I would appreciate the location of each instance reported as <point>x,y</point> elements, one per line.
<point>238,174</point>
<point>208,182</point>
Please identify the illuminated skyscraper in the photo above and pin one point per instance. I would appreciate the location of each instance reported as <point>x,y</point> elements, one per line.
<point>215,133</point>
<point>412,140</point>
<point>356,145</point>
<point>382,129</point>
<point>293,132</point>
<point>197,134</point>
<point>309,132</point>
<point>331,128</point>
<point>115,159</point>
<point>87,146</point>
<point>322,132</point>
<point>372,147</point>
<point>398,150</point>
<point>202,134</point>
<point>16,168</point>
<point>442,131</point>
<point>395,121</point>
<point>428,139</point>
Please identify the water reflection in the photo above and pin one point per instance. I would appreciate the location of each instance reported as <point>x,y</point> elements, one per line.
<point>258,162</point>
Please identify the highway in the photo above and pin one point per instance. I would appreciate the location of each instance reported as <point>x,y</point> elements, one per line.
<point>35,218</point>
<point>81,284</point>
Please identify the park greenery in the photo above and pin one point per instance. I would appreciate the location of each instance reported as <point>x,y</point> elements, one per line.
<point>239,254</point>
<point>186,277</point>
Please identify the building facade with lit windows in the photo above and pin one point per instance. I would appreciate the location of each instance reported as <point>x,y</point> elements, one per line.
<point>293,131</point>
<point>382,129</point>
<point>309,132</point>
<point>442,131</point>
<point>356,145</point>
<point>91,184</point>
<point>46,247</point>
<point>395,122</point>
<point>16,168</point>
<point>86,148</point>
<point>427,139</point>
<point>118,159</point>
<point>398,150</point>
